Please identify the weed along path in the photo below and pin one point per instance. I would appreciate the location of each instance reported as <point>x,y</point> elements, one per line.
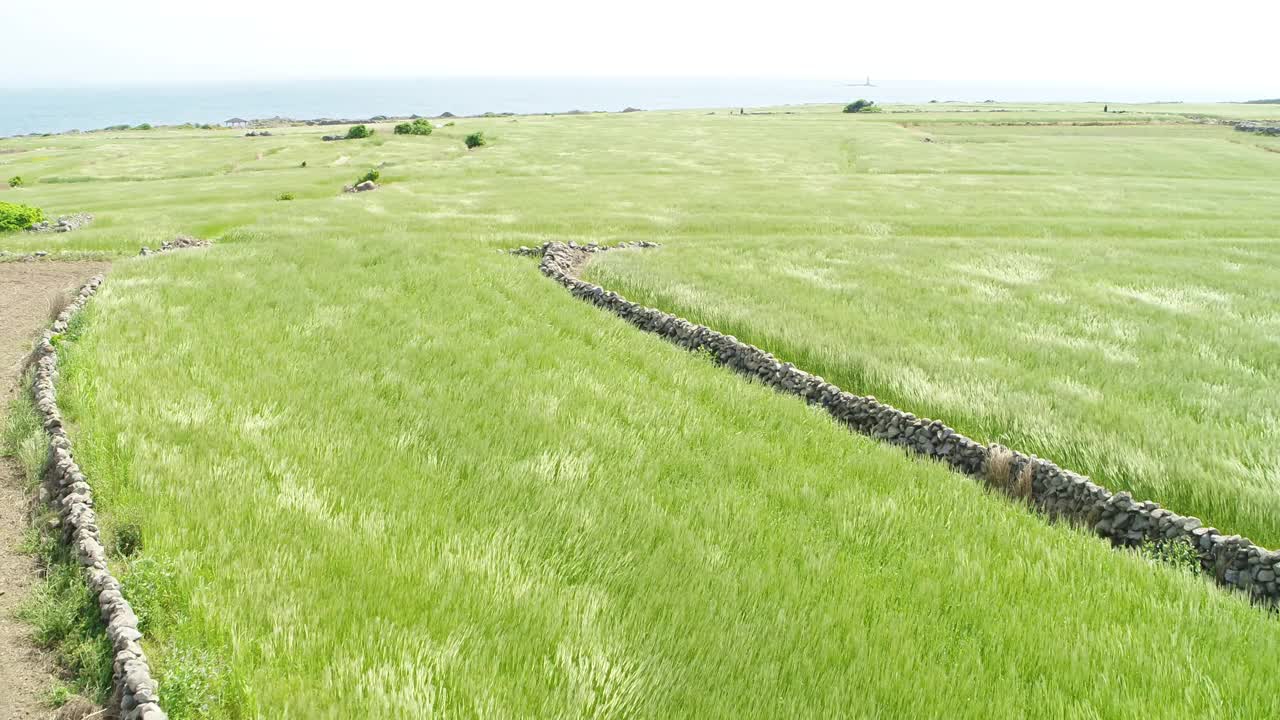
<point>31,293</point>
<point>1230,560</point>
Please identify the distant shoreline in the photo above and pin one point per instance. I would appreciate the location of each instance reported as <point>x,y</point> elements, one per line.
<point>278,122</point>
<point>251,124</point>
<point>38,111</point>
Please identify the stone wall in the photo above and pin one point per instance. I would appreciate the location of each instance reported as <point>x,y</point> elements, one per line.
<point>136,693</point>
<point>1255,127</point>
<point>1231,560</point>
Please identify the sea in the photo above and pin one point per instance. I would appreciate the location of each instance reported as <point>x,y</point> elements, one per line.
<point>44,110</point>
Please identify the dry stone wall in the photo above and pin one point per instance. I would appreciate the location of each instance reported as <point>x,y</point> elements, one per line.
<point>65,223</point>
<point>1260,128</point>
<point>136,694</point>
<point>1231,560</point>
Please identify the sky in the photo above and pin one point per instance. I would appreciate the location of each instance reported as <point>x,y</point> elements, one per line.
<point>1167,43</point>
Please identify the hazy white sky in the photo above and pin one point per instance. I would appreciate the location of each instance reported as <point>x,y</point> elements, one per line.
<point>1163,43</point>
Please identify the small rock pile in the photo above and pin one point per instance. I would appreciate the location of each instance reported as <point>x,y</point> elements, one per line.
<point>136,692</point>
<point>1232,560</point>
<point>365,186</point>
<point>258,133</point>
<point>182,242</point>
<point>65,223</point>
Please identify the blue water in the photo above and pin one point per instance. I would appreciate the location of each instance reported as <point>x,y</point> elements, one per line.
<point>25,111</point>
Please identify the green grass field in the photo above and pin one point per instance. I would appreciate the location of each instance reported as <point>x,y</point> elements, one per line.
<point>382,470</point>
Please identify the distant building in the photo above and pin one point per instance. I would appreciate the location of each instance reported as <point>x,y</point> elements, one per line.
<point>236,122</point>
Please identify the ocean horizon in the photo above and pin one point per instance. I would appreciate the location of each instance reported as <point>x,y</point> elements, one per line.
<point>54,110</point>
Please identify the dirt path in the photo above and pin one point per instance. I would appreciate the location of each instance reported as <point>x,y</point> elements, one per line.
<point>30,294</point>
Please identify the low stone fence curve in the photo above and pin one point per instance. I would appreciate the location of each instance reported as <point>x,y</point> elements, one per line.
<point>1231,560</point>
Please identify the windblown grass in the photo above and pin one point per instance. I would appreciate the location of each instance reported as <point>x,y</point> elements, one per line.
<point>381,470</point>
<point>1114,308</point>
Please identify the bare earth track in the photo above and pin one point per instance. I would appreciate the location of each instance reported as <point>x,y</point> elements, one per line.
<point>30,295</point>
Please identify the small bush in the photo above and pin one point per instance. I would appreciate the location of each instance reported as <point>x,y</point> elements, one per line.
<point>196,683</point>
<point>59,695</point>
<point>15,181</point>
<point>421,126</point>
<point>65,615</point>
<point>450,124</point>
<point>371,176</point>
<point>143,126</point>
<point>126,539</point>
<point>1177,552</point>
<point>18,217</point>
<point>304,164</point>
<point>284,196</point>
<point>861,106</point>
<point>475,140</point>
<point>150,585</point>
<point>358,132</point>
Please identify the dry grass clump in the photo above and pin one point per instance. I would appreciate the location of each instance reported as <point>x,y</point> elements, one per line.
<point>1004,474</point>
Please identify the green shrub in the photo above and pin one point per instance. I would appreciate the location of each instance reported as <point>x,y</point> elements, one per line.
<point>126,538</point>
<point>15,181</point>
<point>143,126</point>
<point>60,695</point>
<point>18,217</point>
<point>371,176</point>
<point>861,106</point>
<point>196,683</point>
<point>284,196</point>
<point>358,132</point>
<point>421,126</point>
<point>1179,553</point>
<point>450,124</point>
<point>475,140</point>
<point>150,585</point>
<point>65,617</point>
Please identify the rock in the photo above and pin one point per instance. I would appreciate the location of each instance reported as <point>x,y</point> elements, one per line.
<point>365,186</point>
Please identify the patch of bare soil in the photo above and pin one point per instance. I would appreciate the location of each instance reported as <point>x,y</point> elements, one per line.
<point>30,295</point>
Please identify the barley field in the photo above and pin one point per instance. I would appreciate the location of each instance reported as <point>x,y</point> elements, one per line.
<point>380,469</point>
